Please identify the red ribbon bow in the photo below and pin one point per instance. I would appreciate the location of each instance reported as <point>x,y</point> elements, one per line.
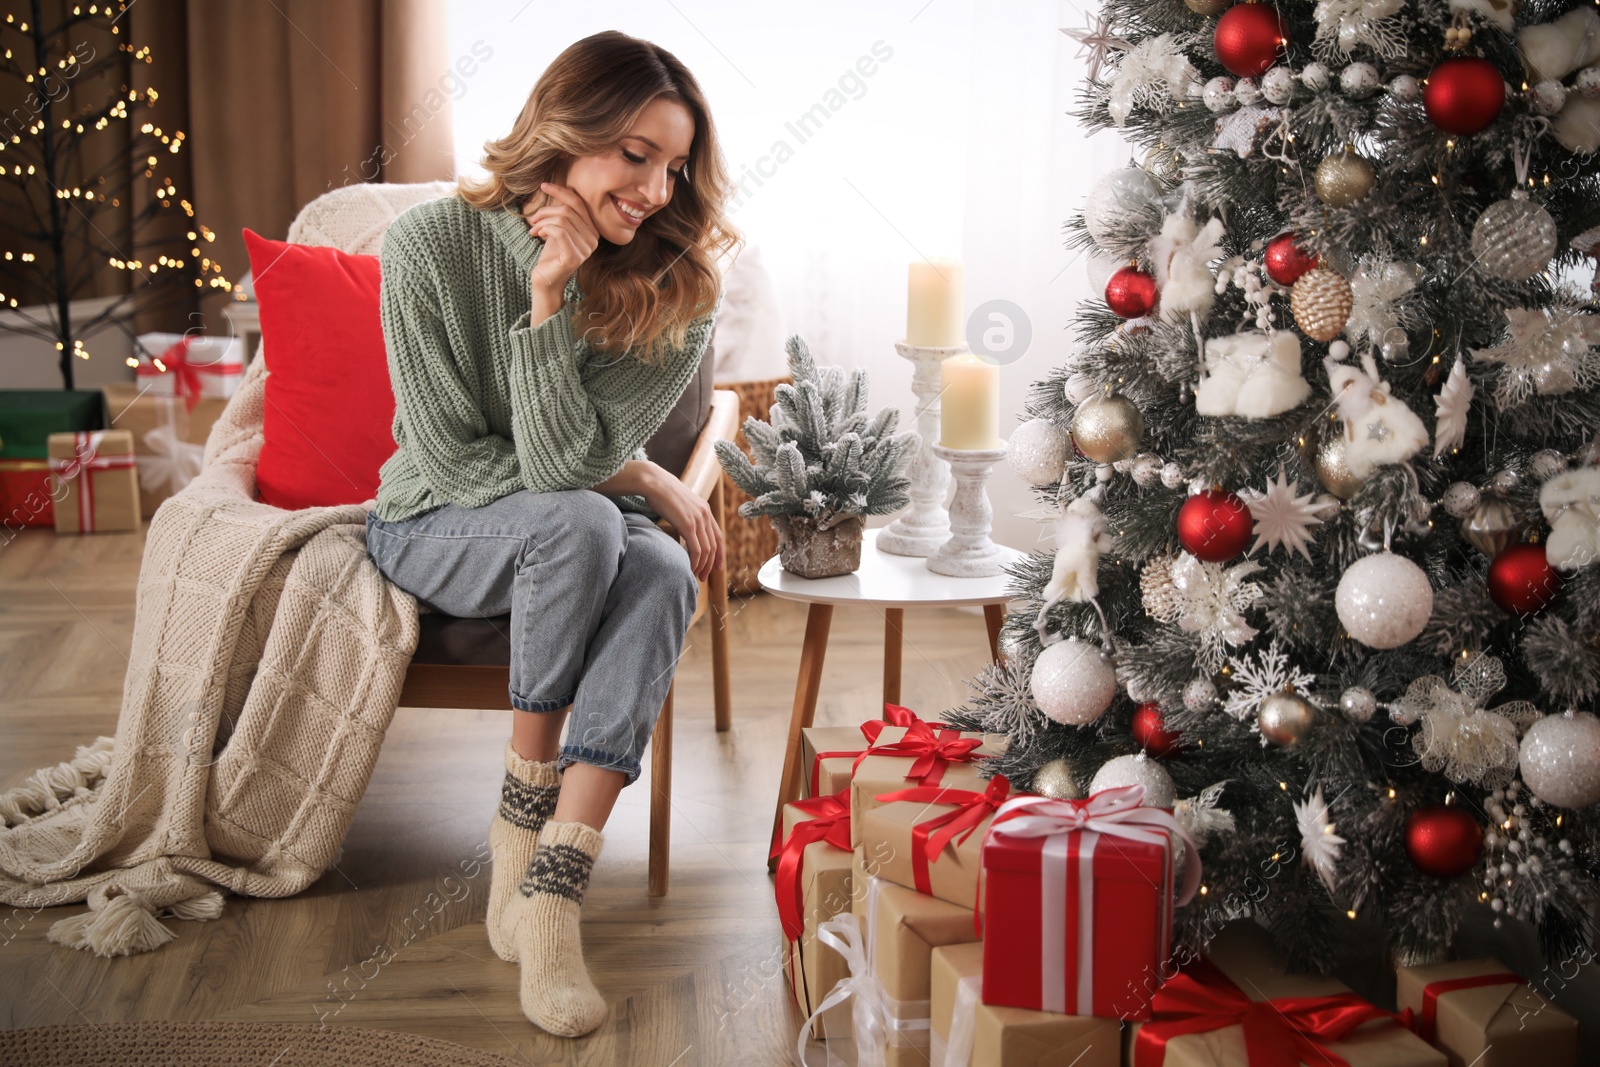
<point>186,373</point>
<point>930,753</point>
<point>830,823</point>
<point>1281,1032</point>
<point>929,838</point>
<point>893,715</point>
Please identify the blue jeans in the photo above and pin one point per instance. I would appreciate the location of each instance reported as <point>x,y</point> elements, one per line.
<point>599,598</point>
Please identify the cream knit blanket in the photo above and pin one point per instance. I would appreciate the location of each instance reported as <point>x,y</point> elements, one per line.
<point>268,655</point>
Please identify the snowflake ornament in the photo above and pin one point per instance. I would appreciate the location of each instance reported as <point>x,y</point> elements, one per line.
<point>1376,291</point>
<point>1205,599</point>
<point>1097,42</point>
<point>1346,25</point>
<point>1256,679</point>
<point>1456,734</point>
<point>1547,351</point>
<point>1003,697</point>
<point>1318,843</point>
<point>1283,519</point>
<point>1151,74</point>
<point>1454,401</point>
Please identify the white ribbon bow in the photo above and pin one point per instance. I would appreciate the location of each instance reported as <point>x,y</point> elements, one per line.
<point>172,463</point>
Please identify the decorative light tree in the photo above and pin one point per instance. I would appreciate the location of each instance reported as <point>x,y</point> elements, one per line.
<point>1342,564</point>
<point>83,163</point>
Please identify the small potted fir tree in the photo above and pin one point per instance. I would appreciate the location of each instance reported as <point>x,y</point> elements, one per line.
<point>821,465</point>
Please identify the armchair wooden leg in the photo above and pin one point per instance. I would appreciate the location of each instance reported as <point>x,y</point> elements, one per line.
<point>661,797</point>
<point>722,689</point>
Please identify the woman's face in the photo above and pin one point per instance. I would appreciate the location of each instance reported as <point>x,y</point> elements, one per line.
<point>632,180</point>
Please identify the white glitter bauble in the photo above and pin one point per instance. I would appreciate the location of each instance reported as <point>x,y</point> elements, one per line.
<point>1079,387</point>
<point>1546,97</point>
<point>1218,93</point>
<point>1159,792</point>
<point>1357,703</point>
<point>1546,464</point>
<point>1359,80</point>
<point>1561,759</point>
<point>1073,682</point>
<point>1384,600</point>
<point>1277,85</point>
<point>1315,77</point>
<point>1406,88</point>
<point>1037,452</point>
<point>1587,83</point>
<point>1200,695</point>
<point>1461,499</point>
<point>1172,475</point>
<point>1247,92</point>
<point>1115,197</point>
<point>1514,239</point>
<point>1100,267</point>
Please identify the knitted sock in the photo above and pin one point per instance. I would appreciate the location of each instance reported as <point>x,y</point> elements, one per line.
<point>542,922</point>
<point>527,797</point>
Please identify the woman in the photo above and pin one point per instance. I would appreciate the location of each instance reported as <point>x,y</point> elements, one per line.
<point>541,324</point>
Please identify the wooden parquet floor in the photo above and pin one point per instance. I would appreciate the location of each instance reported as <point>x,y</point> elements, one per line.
<point>392,937</point>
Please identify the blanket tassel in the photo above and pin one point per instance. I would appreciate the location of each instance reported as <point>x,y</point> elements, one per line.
<point>126,923</point>
<point>46,788</point>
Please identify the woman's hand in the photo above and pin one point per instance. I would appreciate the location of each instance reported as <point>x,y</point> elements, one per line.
<point>569,236</point>
<point>692,518</point>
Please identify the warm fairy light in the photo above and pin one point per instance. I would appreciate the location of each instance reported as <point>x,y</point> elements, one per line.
<point>1283,786</point>
<point>1391,792</point>
<point>1204,890</point>
<point>130,361</point>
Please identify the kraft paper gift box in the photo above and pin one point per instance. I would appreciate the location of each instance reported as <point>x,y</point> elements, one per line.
<point>96,488</point>
<point>1478,1013</point>
<point>191,366</point>
<point>813,885</point>
<point>989,1036</point>
<point>904,928</point>
<point>932,839</point>
<point>1241,969</point>
<point>169,437</point>
<point>822,774</point>
<point>919,754</point>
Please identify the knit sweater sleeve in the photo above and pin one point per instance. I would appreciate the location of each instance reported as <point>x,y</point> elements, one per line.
<point>443,430</point>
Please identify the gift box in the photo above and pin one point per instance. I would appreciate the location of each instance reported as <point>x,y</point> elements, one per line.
<point>26,494</point>
<point>169,437</point>
<point>930,839</point>
<point>814,885</point>
<point>96,488</point>
<point>827,754</point>
<point>190,366</point>
<point>905,927</point>
<point>1476,1012</point>
<point>969,1033</point>
<point>1077,903</point>
<point>1202,1014</point>
<point>921,754</point>
<point>29,416</point>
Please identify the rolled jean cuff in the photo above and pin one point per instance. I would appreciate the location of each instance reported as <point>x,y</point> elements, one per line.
<point>571,754</point>
<point>524,704</point>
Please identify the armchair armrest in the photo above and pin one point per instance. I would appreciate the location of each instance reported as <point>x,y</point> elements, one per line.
<point>703,472</point>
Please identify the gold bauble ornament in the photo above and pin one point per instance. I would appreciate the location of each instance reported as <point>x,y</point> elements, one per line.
<point>1107,428</point>
<point>1285,718</point>
<point>1208,7</point>
<point>1054,780</point>
<point>1320,302</point>
<point>1329,460</point>
<point>1344,178</point>
<point>1490,526</point>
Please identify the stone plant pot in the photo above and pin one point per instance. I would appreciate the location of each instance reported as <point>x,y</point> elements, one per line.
<point>812,553</point>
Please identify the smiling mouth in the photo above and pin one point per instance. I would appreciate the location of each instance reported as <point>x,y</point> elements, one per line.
<point>628,210</point>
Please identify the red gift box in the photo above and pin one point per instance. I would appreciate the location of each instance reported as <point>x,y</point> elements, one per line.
<point>26,496</point>
<point>1078,900</point>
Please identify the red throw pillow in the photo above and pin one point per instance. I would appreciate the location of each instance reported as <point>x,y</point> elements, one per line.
<point>328,424</point>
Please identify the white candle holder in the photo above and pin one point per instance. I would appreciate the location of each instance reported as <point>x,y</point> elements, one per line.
<point>925,525</point>
<point>969,553</point>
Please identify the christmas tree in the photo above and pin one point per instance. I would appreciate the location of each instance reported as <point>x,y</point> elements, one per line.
<point>1322,467</point>
<point>81,156</point>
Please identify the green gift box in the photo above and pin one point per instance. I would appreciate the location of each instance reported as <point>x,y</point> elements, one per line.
<point>29,416</point>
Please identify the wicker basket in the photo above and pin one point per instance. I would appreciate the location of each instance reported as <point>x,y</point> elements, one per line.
<point>749,542</point>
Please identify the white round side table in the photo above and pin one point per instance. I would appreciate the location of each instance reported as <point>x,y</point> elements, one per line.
<point>891,584</point>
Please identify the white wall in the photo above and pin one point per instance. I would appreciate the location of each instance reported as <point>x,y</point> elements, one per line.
<point>958,143</point>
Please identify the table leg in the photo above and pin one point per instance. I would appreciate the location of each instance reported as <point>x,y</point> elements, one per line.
<point>893,638</point>
<point>805,708</point>
<point>994,616</point>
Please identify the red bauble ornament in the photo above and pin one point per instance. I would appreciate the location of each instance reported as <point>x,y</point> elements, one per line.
<point>1151,733</point>
<point>1463,95</point>
<point>1522,581</point>
<point>1214,526</point>
<point>1286,261</point>
<point>1443,841</point>
<point>1248,38</point>
<point>1131,293</point>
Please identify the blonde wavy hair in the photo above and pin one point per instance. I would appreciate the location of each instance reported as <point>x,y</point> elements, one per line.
<point>640,297</point>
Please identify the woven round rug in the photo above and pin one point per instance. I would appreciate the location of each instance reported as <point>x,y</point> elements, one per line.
<point>160,1043</point>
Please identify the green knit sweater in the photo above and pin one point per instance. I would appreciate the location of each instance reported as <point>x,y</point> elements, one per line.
<point>487,403</point>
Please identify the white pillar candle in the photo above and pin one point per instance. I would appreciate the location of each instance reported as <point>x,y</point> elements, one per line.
<point>933,303</point>
<point>969,403</point>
